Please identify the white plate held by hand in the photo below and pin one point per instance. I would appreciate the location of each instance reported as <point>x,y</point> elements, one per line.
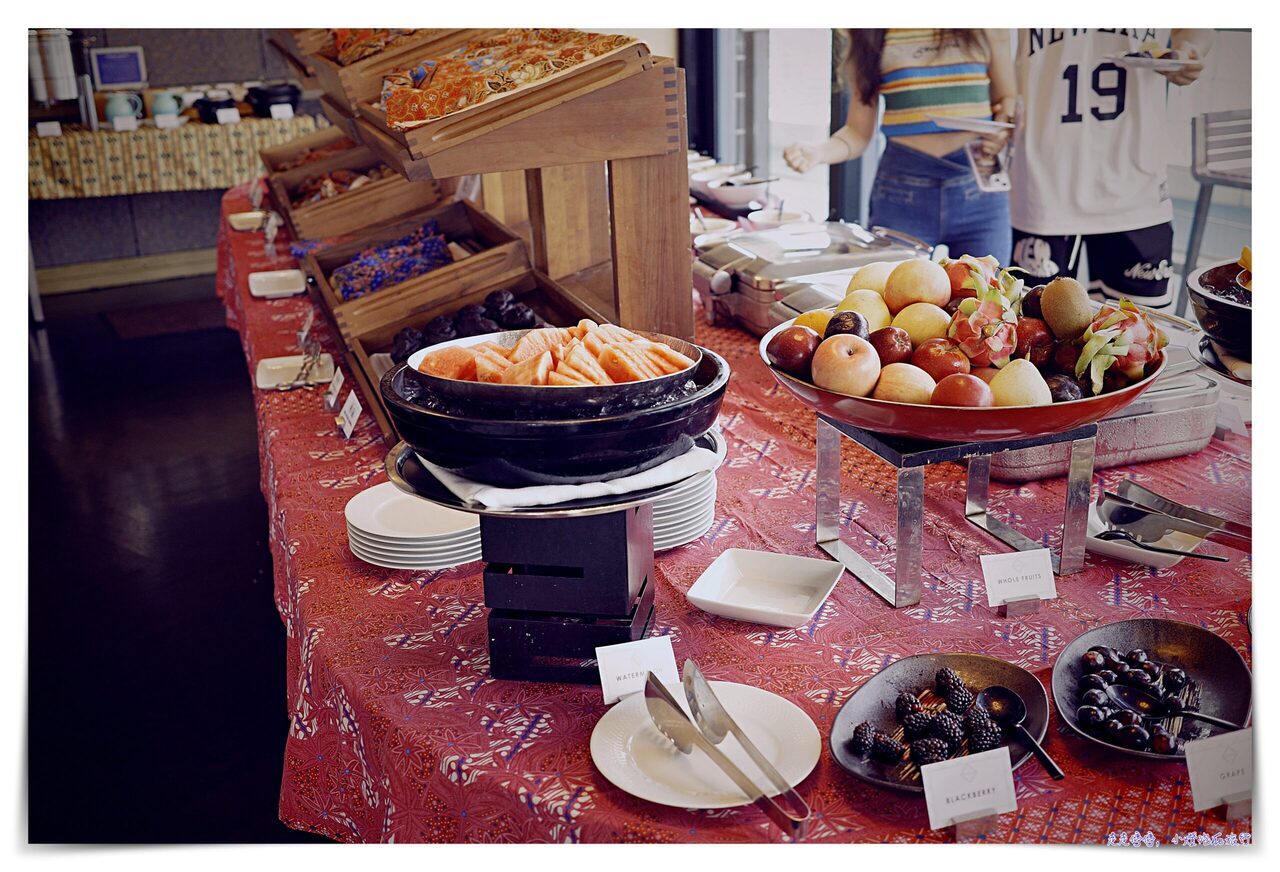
<point>629,751</point>
<point>765,588</point>
<point>970,125</point>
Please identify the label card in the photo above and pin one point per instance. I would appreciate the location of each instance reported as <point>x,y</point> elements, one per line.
<point>229,115</point>
<point>1231,417</point>
<point>167,121</point>
<point>124,123</point>
<point>1220,767</point>
<point>305,330</point>
<point>255,193</point>
<point>48,128</point>
<point>281,111</point>
<point>968,785</point>
<point>1018,574</point>
<point>624,668</point>
<point>350,414</point>
<point>335,387</point>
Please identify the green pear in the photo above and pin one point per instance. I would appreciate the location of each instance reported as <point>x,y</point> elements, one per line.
<point>1019,383</point>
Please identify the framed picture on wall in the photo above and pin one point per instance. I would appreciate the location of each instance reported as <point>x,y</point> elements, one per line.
<point>118,67</point>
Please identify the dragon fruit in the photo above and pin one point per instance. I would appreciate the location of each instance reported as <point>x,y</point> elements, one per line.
<point>1122,337</point>
<point>986,328</point>
<point>970,274</point>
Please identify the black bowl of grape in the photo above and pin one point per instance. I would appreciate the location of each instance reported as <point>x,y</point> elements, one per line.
<point>1183,668</point>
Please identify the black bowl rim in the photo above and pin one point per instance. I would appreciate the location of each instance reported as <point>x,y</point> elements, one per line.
<point>1199,290</point>
<point>719,382</point>
<point>1057,682</point>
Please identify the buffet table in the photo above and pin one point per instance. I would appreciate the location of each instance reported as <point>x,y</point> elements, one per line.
<point>398,733</point>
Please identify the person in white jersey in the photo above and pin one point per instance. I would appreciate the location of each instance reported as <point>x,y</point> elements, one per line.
<point>1088,165</point>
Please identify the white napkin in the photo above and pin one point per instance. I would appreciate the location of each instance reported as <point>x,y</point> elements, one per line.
<point>693,461</point>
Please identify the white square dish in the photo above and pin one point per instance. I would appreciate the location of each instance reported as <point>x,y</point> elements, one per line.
<point>245,221</point>
<point>276,283</point>
<point>780,590</point>
<point>275,371</point>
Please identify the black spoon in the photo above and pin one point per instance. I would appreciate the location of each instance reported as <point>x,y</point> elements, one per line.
<point>1134,699</point>
<point>1126,536</point>
<point>1009,711</point>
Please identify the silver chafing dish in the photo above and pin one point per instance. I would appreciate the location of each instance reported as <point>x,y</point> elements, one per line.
<point>751,278</point>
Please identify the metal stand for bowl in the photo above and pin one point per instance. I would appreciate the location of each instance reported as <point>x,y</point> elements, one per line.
<point>910,457</point>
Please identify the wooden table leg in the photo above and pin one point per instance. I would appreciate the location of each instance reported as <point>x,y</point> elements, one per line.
<point>569,217</point>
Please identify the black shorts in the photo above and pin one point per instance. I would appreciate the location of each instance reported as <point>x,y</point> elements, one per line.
<point>1134,263</point>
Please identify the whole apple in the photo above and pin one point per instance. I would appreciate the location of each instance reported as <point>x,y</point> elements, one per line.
<point>962,389</point>
<point>985,373</point>
<point>941,358</point>
<point>904,383</point>
<point>1035,341</point>
<point>846,364</point>
<point>791,350</point>
<point>892,344</point>
<point>916,281</point>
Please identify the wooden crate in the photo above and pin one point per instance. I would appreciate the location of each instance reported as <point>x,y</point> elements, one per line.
<point>276,155</point>
<point>531,287</point>
<point>377,202</point>
<point>501,253</point>
<point>342,119</point>
<point>297,46</point>
<point>362,80</point>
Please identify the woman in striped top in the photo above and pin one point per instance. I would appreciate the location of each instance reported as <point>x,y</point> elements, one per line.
<point>924,185</point>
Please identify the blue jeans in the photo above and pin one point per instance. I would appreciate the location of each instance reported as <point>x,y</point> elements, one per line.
<point>938,200</point>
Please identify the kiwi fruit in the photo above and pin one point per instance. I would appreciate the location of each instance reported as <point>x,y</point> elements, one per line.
<point>1064,304</point>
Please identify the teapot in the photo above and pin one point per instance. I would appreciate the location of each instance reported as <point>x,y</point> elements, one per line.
<point>165,103</point>
<point>122,105</point>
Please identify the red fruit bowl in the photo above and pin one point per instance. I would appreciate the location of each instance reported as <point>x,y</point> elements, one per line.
<point>956,423</point>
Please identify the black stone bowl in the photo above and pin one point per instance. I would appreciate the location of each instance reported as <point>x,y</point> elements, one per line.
<point>515,450</point>
<point>873,702</point>
<point>548,402</point>
<point>1218,672</point>
<point>1215,297</point>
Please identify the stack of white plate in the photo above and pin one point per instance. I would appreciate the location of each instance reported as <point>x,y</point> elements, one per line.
<point>389,528</point>
<point>685,514</point>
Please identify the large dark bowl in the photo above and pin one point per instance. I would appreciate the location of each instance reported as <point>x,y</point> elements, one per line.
<point>1227,322</point>
<point>207,108</point>
<point>543,401</point>
<point>1221,678</point>
<point>515,451</point>
<point>873,702</point>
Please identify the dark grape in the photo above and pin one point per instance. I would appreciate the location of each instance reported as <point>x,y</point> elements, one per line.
<point>1138,678</point>
<point>1094,698</point>
<point>1152,668</point>
<point>1093,661</point>
<point>1108,675</point>
<point>1136,657</point>
<point>1134,737</point>
<point>1164,743</point>
<point>1175,678</point>
<point>1091,716</point>
<point>1093,681</point>
<point>1128,718</point>
<point>1111,728</point>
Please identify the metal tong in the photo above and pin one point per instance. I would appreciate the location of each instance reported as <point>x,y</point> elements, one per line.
<point>311,357</point>
<point>1151,524</point>
<point>1136,493</point>
<point>673,723</point>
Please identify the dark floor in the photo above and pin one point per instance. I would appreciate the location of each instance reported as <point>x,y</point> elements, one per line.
<point>156,657</point>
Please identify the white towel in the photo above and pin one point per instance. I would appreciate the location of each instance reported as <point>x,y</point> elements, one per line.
<point>693,461</point>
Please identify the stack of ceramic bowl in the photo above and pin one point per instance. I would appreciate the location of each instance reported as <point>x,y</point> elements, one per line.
<point>392,529</point>
<point>688,512</point>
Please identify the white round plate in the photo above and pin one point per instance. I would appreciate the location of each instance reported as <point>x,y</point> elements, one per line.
<point>683,518</point>
<point>435,554</point>
<point>415,564</point>
<point>384,510</point>
<point>629,751</point>
<point>970,125</point>
<point>1156,64</point>
<point>411,550</point>
<point>691,534</point>
<point>426,542</point>
<point>668,509</point>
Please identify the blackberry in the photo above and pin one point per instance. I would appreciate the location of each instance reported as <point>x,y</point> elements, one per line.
<point>959,699</point>
<point>888,750</point>
<point>983,735</point>
<point>863,735</point>
<point>928,751</point>
<point>907,704</point>
<point>916,725</point>
<point>947,727</point>
<point>947,680</point>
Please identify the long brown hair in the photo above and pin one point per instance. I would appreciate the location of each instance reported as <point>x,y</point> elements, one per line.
<point>864,47</point>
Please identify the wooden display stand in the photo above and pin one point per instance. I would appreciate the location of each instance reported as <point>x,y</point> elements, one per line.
<point>606,185</point>
<point>275,157</point>
<point>296,46</point>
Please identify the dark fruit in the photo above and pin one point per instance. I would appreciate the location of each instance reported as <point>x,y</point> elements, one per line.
<point>1121,670</point>
<point>948,728</point>
<point>959,698</point>
<point>892,345</point>
<point>863,735</point>
<point>471,310</point>
<point>1031,302</point>
<point>1138,678</point>
<point>1135,737</point>
<point>846,322</point>
<point>433,337</point>
<point>518,316</point>
<point>1091,716</point>
<point>1128,718</point>
<point>1136,657</point>
<point>906,704</point>
<point>888,750</point>
<point>1173,704</point>
<point>792,349</point>
<point>1093,681</point>
<point>940,358</point>
<point>1108,675</point>
<point>1094,697</point>
<point>928,751</point>
<point>1164,743</point>
<point>1175,678</point>
<point>439,324</point>
<point>1065,357</point>
<point>406,342</point>
<point>1035,341</point>
<point>1152,668</point>
<point>1111,728</point>
<point>947,679</point>
<point>983,732</point>
<point>498,300</point>
<point>916,726</point>
<point>1064,388</point>
<point>1093,661</point>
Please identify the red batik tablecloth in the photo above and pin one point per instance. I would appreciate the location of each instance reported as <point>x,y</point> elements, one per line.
<point>397,732</point>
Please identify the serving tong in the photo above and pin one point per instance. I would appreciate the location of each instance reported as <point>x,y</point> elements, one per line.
<point>1141,522</point>
<point>310,358</point>
<point>713,724</point>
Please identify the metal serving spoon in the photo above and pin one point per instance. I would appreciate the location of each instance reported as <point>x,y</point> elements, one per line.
<point>1125,535</point>
<point>1137,700</point>
<point>1009,711</point>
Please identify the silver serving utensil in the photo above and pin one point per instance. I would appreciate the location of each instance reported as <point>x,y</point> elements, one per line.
<point>1137,493</point>
<point>697,213</point>
<point>715,722</point>
<point>1151,525</point>
<point>1152,708</point>
<point>673,723</point>
<point>1126,536</point>
<point>310,358</point>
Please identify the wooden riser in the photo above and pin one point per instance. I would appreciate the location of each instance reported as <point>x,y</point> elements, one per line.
<point>273,157</point>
